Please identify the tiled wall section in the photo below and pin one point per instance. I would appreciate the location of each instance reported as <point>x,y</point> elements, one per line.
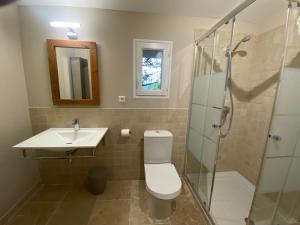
<point>123,157</point>
<point>255,79</point>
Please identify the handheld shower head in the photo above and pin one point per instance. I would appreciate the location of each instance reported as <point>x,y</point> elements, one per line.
<point>232,50</point>
<point>244,39</point>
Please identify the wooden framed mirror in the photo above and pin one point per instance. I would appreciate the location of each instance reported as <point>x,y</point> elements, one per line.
<point>73,72</point>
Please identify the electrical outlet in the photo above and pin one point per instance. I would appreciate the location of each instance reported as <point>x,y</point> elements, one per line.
<point>122,99</point>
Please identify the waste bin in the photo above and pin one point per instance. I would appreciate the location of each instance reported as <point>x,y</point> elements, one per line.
<point>97,177</point>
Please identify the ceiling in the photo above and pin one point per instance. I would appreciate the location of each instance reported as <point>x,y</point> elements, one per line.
<point>260,10</point>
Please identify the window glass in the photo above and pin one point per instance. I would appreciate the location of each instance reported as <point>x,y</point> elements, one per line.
<point>152,68</point>
<point>152,64</point>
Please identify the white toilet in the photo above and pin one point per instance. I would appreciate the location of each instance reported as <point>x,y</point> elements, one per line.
<point>162,179</point>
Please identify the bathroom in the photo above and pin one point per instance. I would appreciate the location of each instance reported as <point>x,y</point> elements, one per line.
<point>187,112</point>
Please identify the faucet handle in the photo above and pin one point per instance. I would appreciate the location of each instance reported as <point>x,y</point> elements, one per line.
<point>216,126</point>
<point>275,137</point>
<point>75,121</point>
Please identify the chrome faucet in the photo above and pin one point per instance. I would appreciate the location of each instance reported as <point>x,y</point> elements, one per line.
<point>75,124</point>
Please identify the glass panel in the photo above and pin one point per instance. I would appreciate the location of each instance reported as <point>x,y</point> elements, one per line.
<point>277,199</point>
<point>225,195</point>
<point>199,163</point>
<point>268,191</point>
<point>207,54</point>
<point>194,142</point>
<point>152,67</point>
<point>288,209</point>
<point>207,101</point>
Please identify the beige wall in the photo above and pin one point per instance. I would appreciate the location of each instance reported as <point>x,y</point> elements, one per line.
<point>114,32</point>
<point>254,82</point>
<point>123,157</point>
<point>17,176</point>
<point>255,79</point>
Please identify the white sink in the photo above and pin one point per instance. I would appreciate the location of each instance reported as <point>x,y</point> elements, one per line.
<point>64,139</point>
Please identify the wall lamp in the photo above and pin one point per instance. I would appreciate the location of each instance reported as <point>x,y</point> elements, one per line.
<point>70,26</point>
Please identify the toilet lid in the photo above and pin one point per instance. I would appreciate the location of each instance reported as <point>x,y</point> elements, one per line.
<point>162,180</point>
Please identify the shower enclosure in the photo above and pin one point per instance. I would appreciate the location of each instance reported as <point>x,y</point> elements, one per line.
<point>243,152</point>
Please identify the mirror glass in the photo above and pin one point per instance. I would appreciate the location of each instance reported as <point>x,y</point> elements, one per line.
<point>74,73</point>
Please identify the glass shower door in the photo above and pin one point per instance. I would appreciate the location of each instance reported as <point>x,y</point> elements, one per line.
<point>195,164</point>
<point>205,114</point>
<point>277,198</point>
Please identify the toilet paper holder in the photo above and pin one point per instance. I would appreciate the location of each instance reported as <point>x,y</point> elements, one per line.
<point>125,132</point>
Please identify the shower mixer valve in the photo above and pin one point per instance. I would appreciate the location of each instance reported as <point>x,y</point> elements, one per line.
<point>216,126</point>
<point>275,137</point>
<point>225,112</point>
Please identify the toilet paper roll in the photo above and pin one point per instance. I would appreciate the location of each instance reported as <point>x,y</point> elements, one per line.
<point>125,132</point>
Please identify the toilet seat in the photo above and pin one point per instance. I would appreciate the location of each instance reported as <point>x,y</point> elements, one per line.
<point>162,180</point>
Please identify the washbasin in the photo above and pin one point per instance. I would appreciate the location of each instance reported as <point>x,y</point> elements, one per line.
<point>71,136</point>
<point>64,139</point>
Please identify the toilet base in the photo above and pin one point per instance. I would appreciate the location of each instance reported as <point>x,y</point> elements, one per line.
<point>160,209</point>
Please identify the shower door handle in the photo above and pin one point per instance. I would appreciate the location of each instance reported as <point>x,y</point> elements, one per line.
<point>216,126</point>
<point>275,137</point>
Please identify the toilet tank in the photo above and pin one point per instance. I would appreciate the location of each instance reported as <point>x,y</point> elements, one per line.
<point>158,146</point>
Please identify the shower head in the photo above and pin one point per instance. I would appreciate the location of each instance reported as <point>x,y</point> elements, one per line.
<point>232,51</point>
<point>244,39</point>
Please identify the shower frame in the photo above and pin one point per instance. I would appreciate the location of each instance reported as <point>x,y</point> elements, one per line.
<point>230,17</point>
<point>226,20</point>
<point>286,40</point>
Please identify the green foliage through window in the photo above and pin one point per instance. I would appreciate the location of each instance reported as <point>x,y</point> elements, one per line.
<point>152,64</point>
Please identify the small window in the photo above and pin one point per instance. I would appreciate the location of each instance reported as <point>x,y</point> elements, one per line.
<point>152,68</point>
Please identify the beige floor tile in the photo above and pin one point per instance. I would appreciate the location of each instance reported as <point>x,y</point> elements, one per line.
<point>186,213</point>
<point>50,193</point>
<point>116,190</point>
<point>33,213</point>
<point>110,212</point>
<point>154,224</point>
<point>140,204</point>
<point>138,189</point>
<point>76,209</point>
<point>138,214</point>
<point>123,203</point>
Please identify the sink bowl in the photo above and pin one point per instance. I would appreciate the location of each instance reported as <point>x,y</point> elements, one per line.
<point>64,139</point>
<point>71,136</point>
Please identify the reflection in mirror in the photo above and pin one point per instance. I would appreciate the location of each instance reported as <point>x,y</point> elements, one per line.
<point>73,72</point>
<point>73,65</point>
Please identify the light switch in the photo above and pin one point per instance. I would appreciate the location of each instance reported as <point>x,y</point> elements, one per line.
<point>122,99</point>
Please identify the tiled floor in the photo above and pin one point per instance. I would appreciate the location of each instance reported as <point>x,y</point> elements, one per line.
<point>121,204</point>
